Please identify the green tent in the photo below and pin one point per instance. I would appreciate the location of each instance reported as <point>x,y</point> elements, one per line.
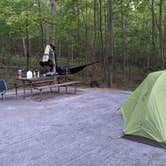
<point>144,112</point>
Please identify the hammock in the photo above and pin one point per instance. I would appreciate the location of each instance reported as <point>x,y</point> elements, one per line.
<point>63,70</point>
<point>49,61</point>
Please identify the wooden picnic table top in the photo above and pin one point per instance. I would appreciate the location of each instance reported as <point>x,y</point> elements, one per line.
<point>40,79</point>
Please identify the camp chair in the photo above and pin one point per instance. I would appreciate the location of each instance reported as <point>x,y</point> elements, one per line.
<point>3,87</point>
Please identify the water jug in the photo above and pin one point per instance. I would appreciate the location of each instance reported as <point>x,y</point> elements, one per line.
<point>29,74</point>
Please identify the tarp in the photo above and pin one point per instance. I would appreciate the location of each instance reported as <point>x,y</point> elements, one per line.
<point>144,112</point>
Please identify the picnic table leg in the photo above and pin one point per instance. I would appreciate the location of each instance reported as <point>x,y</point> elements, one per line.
<point>51,91</point>
<point>15,85</point>
<point>58,89</point>
<point>66,88</point>
<point>40,94</point>
<point>75,88</point>
<point>16,92</point>
<point>24,89</point>
<point>31,90</point>
<point>2,96</point>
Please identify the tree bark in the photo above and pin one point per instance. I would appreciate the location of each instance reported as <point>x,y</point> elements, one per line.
<point>28,49</point>
<point>53,13</point>
<point>95,29</point>
<point>100,27</point>
<point>24,46</point>
<point>86,33</point>
<point>41,26</point>
<point>161,32</point>
<point>110,56</point>
<point>164,34</point>
<point>46,24</point>
<point>153,54</point>
<point>78,27</point>
<point>123,42</point>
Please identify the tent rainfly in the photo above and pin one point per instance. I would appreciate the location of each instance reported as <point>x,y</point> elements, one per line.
<point>144,112</point>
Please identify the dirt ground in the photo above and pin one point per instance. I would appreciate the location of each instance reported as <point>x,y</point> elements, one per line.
<point>70,130</point>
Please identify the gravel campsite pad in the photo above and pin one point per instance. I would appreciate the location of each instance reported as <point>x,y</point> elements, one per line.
<point>70,130</point>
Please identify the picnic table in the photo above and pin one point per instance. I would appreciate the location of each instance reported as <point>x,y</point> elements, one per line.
<point>33,82</point>
<point>45,82</point>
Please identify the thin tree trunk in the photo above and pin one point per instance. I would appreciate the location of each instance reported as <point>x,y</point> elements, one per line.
<point>59,49</point>
<point>86,33</point>
<point>72,52</point>
<point>153,27</point>
<point>53,13</point>
<point>78,27</point>
<point>151,59</point>
<point>28,49</point>
<point>100,27</point>
<point>24,46</point>
<point>106,41</point>
<point>41,26</point>
<point>95,25</point>
<point>110,57</point>
<point>164,32</point>
<point>161,32</point>
<point>123,51</point>
<point>106,24</point>
<point>46,24</point>
<point>28,52</point>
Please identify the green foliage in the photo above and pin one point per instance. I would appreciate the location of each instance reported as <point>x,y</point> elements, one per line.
<point>75,18</point>
<point>16,61</point>
<point>81,29</point>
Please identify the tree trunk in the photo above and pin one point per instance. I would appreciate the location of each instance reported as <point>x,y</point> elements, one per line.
<point>110,56</point>
<point>46,24</point>
<point>53,13</point>
<point>41,26</point>
<point>100,27</point>
<point>86,34</point>
<point>24,46</point>
<point>72,52</point>
<point>78,27</point>
<point>28,49</point>
<point>153,54</point>
<point>95,29</point>
<point>161,32</point>
<point>59,48</point>
<point>123,42</point>
<point>164,35</point>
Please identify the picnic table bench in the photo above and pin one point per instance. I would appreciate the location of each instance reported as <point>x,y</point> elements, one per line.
<point>42,83</point>
<point>65,84</point>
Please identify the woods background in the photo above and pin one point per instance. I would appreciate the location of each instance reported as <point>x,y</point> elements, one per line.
<point>128,37</point>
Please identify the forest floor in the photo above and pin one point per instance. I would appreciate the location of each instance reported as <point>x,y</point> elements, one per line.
<point>70,130</point>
